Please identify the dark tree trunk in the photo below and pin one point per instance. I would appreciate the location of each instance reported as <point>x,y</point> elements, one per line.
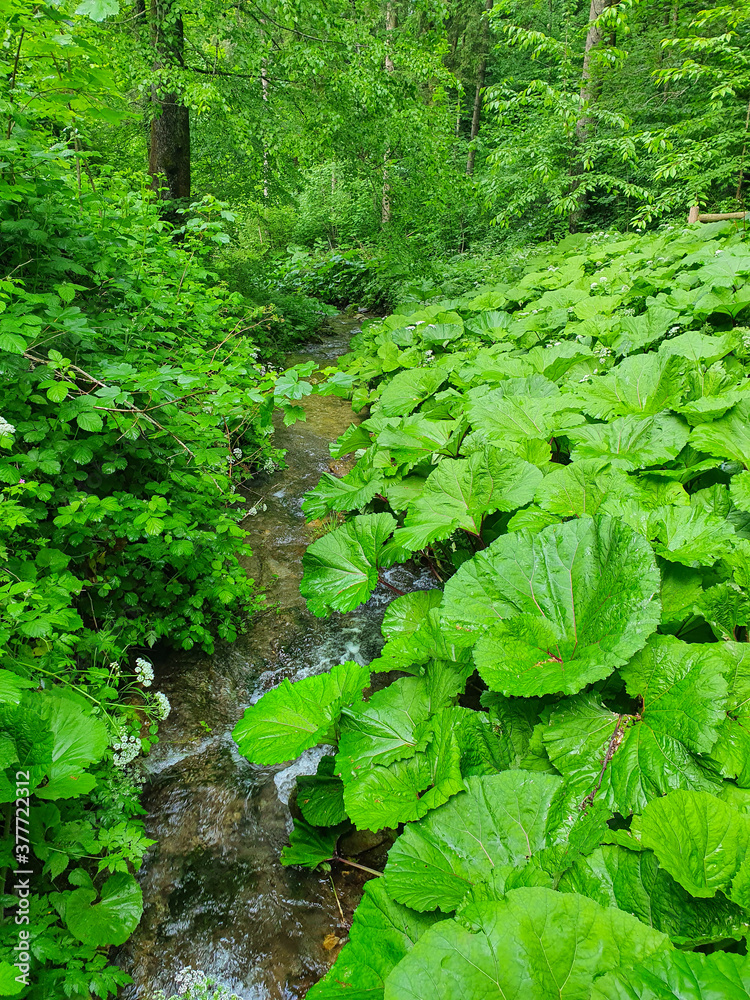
<point>476,117</point>
<point>169,150</point>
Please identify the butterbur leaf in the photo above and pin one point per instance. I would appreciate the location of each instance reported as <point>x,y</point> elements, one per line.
<point>534,943</point>
<point>489,830</point>
<point>635,882</point>
<point>572,490</point>
<point>406,390</point>
<point>386,728</point>
<point>415,438</point>
<point>564,607</point>
<point>509,422</point>
<point>294,717</point>
<point>700,840</point>
<point>642,384</point>
<point>408,788</point>
<point>310,845</point>
<point>631,442</point>
<point>381,935</point>
<point>350,493</point>
<point>682,687</point>
<point>732,749</point>
<point>320,796</point>
<point>727,437</point>
<point>683,692</point>
<point>341,568</point>
<point>111,919</point>
<point>678,975</point>
<point>9,984</point>
<point>460,492</point>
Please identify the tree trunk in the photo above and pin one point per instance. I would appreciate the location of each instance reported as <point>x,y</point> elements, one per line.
<point>589,86</point>
<point>589,92</point>
<point>169,150</point>
<point>476,117</point>
<point>390,27</point>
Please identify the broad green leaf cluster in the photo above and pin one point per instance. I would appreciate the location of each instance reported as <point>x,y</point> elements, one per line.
<point>562,738</point>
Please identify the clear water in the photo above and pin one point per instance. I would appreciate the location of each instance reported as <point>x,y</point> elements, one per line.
<point>215,894</point>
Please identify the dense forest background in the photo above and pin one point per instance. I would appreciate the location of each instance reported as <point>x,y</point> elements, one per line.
<point>187,190</point>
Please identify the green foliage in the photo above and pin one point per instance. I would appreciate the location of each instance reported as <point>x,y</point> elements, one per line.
<point>565,451</point>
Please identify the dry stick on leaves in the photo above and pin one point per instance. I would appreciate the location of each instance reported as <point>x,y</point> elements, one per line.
<point>614,743</point>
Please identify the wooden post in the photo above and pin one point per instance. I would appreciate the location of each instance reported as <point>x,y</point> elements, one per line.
<point>697,216</point>
<point>694,212</point>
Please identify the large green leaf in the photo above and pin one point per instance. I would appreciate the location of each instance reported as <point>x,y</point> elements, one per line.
<point>320,796</point>
<point>642,384</point>
<point>732,749</point>
<point>406,390</point>
<point>350,493</point>
<point>79,739</point>
<point>112,919</point>
<point>635,882</point>
<point>489,830</point>
<point>698,838</point>
<point>533,945</point>
<point>384,796</point>
<point>415,438</point>
<point>560,609</point>
<point>631,442</point>
<point>460,492</point>
<point>386,728</point>
<point>509,422</point>
<point>629,759</point>
<point>381,935</point>
<point>291,718</point>
<point>341,568</point>
<point>678,975</point>
<point>310,845</point>
<point>727,437</point>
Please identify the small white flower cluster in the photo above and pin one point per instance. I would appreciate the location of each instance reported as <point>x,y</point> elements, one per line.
<point>114,669</point>
<point>144,672</point>
<point>5,427</point>
<point>161,705</point>
<point>126,748</point>
<point>269,465</point>
<point>257,508</point>
<point>428,355</point>
<point>237,452</point>
<point>602,353</point>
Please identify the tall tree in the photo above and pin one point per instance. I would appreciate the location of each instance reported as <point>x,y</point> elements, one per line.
<point>481,71</point>
<point>169,148</point>
<point>390,27</point>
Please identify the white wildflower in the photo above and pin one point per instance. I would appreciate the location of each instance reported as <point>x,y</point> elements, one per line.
<point>237,452</point>
<point>161,706</point>
<point>126,747</point>
<point>144,672</point>
<point>5,427</point>
<point>114,669</point>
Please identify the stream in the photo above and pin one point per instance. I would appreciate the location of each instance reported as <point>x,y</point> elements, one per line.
<point>216,896</point>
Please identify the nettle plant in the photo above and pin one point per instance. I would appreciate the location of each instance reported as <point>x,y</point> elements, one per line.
<point>564,748</point>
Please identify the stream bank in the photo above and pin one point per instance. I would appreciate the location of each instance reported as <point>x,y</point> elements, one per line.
<point>216,896</point>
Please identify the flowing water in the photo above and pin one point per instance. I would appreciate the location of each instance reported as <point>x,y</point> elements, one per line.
<point>215,894</point>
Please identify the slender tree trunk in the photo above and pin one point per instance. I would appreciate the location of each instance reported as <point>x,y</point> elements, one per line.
<point>476,117</point>
<point>589,92</point>
<point>264,90</point>
<point>169,150</point>
<point>390,27</point>
<point>589,85</point>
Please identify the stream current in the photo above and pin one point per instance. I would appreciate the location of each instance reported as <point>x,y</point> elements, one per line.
<point>216,896</point>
